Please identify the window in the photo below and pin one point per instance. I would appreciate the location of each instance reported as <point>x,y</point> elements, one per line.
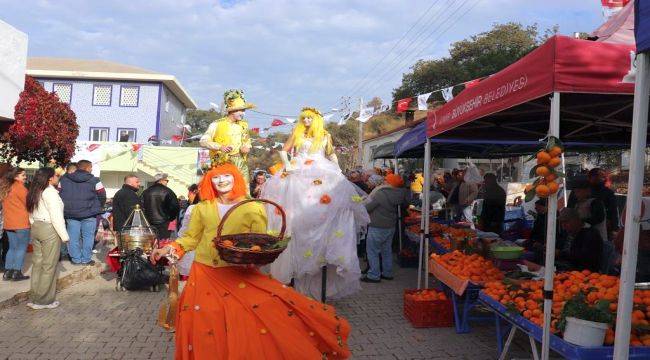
<point>126,135</point>
<point>98,134</point>
<point>129,96</point>
<point>64,92</point>
<point>102,95</point>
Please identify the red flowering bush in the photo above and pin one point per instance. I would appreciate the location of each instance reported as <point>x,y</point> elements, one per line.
<point>45,128</point>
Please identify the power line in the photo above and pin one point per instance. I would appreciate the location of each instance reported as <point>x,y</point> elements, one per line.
<point>415,41</point>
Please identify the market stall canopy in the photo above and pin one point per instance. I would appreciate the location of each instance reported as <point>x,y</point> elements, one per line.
<point>596,106</point>
<point>383,151</point>
<point>619,29</point>
<point>413,139</point>
<point>642,25</point>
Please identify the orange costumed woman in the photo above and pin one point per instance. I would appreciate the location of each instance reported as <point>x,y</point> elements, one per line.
<point>229,311</point>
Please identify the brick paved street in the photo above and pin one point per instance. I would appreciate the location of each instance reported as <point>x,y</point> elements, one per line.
<point>96,322</point>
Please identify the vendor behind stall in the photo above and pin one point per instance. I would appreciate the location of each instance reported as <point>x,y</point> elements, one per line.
<point>580,246</point>
<point>537,241</point>
<point>596,179</point>
<point>591,209</point>
<point>494,205</point>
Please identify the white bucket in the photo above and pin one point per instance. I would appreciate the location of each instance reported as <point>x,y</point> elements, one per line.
<point>585,333</point>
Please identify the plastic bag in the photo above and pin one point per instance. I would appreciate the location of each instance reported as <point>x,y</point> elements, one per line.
<point>138,273</point>
<point>473,175</point>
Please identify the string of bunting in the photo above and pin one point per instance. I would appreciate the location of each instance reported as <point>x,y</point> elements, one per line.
<point>447,94</point>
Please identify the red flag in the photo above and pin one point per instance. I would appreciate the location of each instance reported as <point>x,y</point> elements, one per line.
<point>403,105</point>
<point>93,147</point>
<point>177,138</point>
<point>277,122</point>
<point>255,130</point>
<point>135,147</point>
<point>471,83</point>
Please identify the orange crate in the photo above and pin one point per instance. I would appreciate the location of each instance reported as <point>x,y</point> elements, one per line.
<point>427,313</point>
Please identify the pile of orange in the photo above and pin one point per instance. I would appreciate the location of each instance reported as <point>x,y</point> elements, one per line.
<point>469,267</point>
<point>526,297</point>
<point>547,160</point>
<point>426,295</point>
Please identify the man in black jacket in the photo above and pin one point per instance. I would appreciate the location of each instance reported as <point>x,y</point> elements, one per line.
<point>160,206</point>
<point>83,198</point>
<point>125,200</point>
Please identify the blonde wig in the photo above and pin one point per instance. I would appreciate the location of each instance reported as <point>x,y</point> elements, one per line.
<point>316,130</point>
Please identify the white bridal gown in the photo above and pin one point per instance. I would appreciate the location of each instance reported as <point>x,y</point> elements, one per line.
<point>322,232</point>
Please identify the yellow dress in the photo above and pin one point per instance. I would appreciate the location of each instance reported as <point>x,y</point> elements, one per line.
<point>235,134</point>
<point>233,312</point>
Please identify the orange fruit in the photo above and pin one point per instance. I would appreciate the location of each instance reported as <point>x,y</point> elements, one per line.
<point>227,243</point>
<point>256,248</point>
<point>543,157</point>
<point>555,151</point>
<point>553,187</point>
<point>554,162</point>
<point>550,177</point>
<point>542,191</point>
<point>542,171</point>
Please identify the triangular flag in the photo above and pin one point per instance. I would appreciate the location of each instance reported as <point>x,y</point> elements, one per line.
<point>422,101</point>
<point>366,114</point>
<point>177,138</point>
<point>290,120</point>
<point>448,93</point>
<point>93,147</point>
<point>277,122</point>
<point>403,105</point>
<point>328,117</point>
<point>135,147</point>
<point>255,130</point>
<point>471,83</point>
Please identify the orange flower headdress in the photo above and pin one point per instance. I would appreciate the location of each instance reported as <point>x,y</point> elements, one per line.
<point>207,190</point>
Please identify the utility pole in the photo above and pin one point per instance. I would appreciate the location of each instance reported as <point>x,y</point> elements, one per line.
<point>360,134</point>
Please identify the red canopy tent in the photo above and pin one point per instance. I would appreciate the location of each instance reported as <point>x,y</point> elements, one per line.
<point>522,102</point>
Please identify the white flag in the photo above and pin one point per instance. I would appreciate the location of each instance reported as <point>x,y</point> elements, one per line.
<point>328,117</point>
<point>291,120</point>
<point>447,93</point>
<point>366,114</point>
<point>422,101</point>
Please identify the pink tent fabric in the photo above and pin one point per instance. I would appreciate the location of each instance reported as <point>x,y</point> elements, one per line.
<point>619,29</point>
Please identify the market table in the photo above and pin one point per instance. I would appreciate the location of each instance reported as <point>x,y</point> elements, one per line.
<point>464,296</point>
<point>557,344</point>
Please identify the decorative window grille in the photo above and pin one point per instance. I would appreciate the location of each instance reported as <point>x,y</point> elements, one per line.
<point>129,96</point>
<point>102,95</point>
<point>64,92</point>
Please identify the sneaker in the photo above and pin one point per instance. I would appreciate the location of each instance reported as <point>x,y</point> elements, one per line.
<point>369,280</point>
<point>387,277</point>
<point>55,304</point>
<point>8,275</point>
<point>18,276</point>
<point>35,306</point>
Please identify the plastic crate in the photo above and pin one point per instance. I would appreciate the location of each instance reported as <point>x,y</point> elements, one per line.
<point>428,313</point>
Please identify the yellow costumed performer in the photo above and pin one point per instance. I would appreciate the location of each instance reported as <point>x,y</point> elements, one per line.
<point>231,311</point>
<point>228,138</point>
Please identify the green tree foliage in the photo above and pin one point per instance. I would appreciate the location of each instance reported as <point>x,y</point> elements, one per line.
<point>478,56</point>
<point>199,120</point>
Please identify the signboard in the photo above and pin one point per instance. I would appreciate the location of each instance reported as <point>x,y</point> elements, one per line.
<point>13,60</point>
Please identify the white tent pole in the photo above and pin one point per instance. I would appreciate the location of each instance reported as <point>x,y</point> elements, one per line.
<point>425,213</point>
<point>422,224</point>
<point>549,264</point>
<point>633,205</point>
<point>566,199</point>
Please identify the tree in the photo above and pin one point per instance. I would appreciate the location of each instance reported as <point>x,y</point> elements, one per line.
<point>45,128</point>
<point>199,120</point>
<point>478,56</point>
<point>375,103</point>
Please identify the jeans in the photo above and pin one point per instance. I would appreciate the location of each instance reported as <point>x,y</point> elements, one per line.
<point>18,241</point>
<point>379,241</point>
<point>82,237</point>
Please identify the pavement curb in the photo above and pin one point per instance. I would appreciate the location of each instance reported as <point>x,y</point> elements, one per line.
<point>62,283</point>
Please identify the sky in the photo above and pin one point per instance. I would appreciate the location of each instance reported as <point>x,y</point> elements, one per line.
<point>284,54</point>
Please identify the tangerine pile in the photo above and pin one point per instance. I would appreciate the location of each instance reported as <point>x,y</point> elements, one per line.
<point>426,295</point>
<point>526,297</point>
<point>469,267</point>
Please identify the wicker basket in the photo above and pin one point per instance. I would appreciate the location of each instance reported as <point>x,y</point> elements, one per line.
<point>237,255</point>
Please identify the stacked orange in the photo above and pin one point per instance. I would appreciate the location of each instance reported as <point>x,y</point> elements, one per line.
<point>547,160</point>
<point>426,295</point>
<point>527,298</point>
<point>469,267</point>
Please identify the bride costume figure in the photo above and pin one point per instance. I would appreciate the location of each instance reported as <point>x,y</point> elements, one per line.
<point>231,311</point>
<point>324,211</point>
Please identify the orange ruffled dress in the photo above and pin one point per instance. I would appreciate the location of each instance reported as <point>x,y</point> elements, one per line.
<point>232,312</point>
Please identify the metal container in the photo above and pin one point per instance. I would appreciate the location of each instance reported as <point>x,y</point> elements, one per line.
<point>137,233</point>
